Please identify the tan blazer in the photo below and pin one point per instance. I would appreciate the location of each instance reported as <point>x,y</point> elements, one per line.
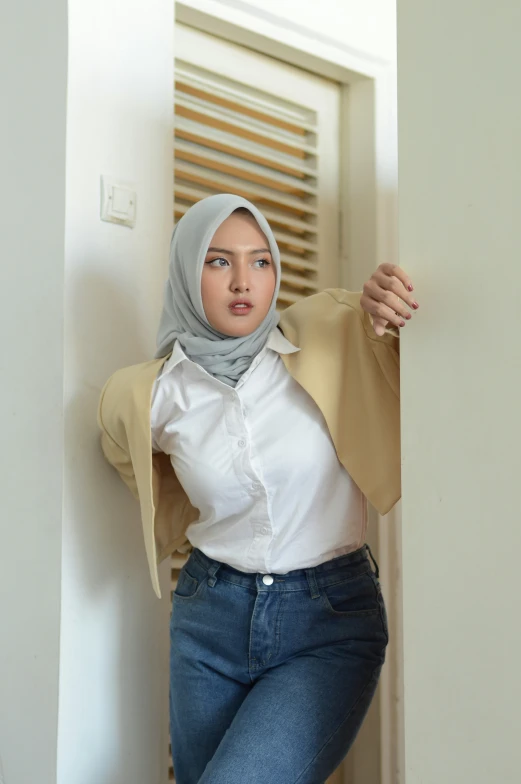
<point>352,374</point>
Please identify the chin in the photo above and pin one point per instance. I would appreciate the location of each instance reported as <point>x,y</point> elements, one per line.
<point>238,331</point>
<point>238,327</point>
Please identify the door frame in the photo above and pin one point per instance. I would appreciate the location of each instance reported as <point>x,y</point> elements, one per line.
<point>368,229</point>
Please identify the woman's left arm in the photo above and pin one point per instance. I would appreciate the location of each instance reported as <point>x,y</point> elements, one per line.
<point>387,298</point>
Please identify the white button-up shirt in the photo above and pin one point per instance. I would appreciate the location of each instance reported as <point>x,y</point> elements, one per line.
<point>258,463</point>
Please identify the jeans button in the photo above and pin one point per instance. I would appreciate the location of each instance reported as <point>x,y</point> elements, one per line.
<point>267,579</point>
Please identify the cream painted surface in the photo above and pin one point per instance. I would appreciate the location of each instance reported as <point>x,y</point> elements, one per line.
<point>114,649</point>
<point>340,46</point>
<point>33,86</point>
<point>366,27</point>
<point>460,236</point>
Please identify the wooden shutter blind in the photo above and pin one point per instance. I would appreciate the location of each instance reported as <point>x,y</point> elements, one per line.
<point>232,138</point>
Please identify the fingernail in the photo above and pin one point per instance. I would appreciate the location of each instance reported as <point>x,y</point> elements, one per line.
<point>408,316</point>
<point>409,287</point>
<point>402,323</point>
<point>415,305</point>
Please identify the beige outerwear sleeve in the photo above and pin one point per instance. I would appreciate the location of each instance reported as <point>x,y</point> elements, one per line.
<point>352,374</point>
<point>354,377</point>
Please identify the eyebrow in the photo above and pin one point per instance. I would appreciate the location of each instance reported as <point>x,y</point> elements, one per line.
<point>232,253</point>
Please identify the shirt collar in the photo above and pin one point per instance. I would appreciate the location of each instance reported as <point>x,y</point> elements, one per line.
<point>276,342</point>
<point>177,356</point>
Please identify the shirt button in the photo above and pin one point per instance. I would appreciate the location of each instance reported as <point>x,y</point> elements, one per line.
<point>256,486</point>
<point>267,579</point>
<point>242,443</point>
<point>265,530</point>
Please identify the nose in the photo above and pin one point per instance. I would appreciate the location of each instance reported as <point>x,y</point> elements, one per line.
<point>240,280</point>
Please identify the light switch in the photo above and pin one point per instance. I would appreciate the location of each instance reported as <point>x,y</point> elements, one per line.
<point>118,202</point>
<point>121,201</point>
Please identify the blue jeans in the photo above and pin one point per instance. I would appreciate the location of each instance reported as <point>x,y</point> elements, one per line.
<point>270,683</point>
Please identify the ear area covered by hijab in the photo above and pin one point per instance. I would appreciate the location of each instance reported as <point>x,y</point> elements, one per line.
<point>183,318</point>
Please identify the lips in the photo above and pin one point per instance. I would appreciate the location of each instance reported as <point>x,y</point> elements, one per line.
<point>240,307</point>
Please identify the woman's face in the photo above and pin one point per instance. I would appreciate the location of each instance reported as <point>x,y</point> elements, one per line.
<point>239,276</point>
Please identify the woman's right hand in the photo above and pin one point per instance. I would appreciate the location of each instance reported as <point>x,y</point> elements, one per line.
<point>386,297</point>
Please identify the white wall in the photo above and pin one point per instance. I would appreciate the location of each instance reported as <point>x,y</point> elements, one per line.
<point>367,27</point>
<point>114,636</point>
<point>460,236</point>
<point>114,666</point>
<point>33,72</point>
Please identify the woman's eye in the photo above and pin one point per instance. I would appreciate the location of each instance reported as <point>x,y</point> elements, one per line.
<point>217,262</point>
<point>263,262</point>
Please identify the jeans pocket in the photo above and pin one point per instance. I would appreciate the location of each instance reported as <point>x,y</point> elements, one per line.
<point>354,597</point>
<point>188,586</point>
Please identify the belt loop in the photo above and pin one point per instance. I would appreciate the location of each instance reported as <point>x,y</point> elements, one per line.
<point>310,574</point>
<point>212,571</point>
<point>377,570</point>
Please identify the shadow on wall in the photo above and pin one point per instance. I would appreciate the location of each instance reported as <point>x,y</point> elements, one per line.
<point>115,631</point>
<point>103,335</point>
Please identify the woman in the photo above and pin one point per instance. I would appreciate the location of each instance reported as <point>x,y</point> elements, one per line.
<point>255,446</point>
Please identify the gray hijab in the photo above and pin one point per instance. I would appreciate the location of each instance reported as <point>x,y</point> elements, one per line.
<point>183,317</point>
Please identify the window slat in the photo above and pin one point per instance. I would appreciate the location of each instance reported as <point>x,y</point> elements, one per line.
<point>236,122</point>
<point>228,163</point>
<point>217,182</point>
<point>207,138</point>
<point>194,78</point>
<point>194,194</point>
